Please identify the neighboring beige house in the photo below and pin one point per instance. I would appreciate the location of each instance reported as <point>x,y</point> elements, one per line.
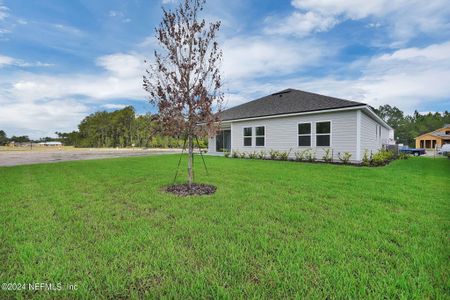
<point>434,139</point>
<point>293,120</point>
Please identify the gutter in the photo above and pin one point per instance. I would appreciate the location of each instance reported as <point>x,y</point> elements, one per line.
<point>298,113</point>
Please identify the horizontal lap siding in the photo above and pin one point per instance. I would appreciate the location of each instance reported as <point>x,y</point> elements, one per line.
<point>212,144</point>
<point>281,133</point>
<point>369,139</point>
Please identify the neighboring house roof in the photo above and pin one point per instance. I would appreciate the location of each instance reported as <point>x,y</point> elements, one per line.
<point>438,132</point>
<point>286,102</point>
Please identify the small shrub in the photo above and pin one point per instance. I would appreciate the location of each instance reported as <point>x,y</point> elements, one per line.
<point>252,155</point>
<point>345,158</point>
<point>327,156</point>
<point>242,155</point>
<point>261,154</point>
<point>388,155</point>
<point>377,160</point>
<point>367,159</point>
<point>382,157</point>
<point>310,155</point>
<point>284,155</point>
<point>403,156</point>
<point>273,154</point>
<point>235,154</point>
<point>300,155</point>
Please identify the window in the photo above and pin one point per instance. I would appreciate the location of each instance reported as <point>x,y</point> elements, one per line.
<point>248,132</point>
<point>379,131</point>
<point>260,136</point>
<point>304,134</point>
<point>323,134</point>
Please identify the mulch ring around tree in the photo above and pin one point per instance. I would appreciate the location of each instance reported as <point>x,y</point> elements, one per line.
<point>196,189</point>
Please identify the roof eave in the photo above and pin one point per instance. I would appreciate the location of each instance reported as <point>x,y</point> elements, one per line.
<point>380,120</point>
<point>358,106</point>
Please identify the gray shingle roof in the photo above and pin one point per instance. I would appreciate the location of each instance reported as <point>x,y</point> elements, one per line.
<point>285,102</point>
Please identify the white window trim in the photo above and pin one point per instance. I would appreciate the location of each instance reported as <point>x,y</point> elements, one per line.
<point>264,136</point>
<point>379,131</point>
<point>310,134</point>
<point>244,137</point>
<point>330,134</point>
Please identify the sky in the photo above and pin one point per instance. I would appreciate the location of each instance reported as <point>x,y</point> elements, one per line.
<point>62,60</point>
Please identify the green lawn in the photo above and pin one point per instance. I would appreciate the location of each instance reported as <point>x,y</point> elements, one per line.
<point>272,230</point>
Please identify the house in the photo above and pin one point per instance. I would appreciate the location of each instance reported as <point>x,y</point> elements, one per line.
<point>293,120</point>
<point>434,139</point>
<point>51,144</point>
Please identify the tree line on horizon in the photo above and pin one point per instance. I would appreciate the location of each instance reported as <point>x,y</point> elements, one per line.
<point>408,127</point>
<point>120,128</point>
<point>124,128</point>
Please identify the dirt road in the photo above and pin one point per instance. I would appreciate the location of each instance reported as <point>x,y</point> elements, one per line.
<point>25,157</point>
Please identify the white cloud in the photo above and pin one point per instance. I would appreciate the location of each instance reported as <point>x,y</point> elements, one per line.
<point>300,24</point>
<point>66,29</point>
<point>122,65</point>
<point>6,60</point>
<point>3,12</point>
<point>122,78</point>
<point>113,13</point>
<point>119,15</point>
<point>404,18</point>
<point>233,99</point>
<point>260,56</point>
<point>10,61</point>
<point>352,9</point>
<point>407,78</point>
<point>42,118</point>
<point>114,106</point>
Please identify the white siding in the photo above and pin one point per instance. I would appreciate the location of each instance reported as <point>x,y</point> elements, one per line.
<point>370,138</point>
<point>281,133</point>
<point>212,144</point>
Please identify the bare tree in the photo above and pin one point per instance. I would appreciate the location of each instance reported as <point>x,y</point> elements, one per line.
<point>184,81</point>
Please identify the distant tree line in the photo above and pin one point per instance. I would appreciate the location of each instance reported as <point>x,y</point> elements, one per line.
<point>4,140</point>
<point>121,128</point>
<point>407,127</point>
<point>22,139</point>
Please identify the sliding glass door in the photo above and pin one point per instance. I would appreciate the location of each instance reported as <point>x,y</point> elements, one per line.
<point>223,141</point>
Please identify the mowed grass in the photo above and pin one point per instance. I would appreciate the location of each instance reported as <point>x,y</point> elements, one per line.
<point>272,230</point>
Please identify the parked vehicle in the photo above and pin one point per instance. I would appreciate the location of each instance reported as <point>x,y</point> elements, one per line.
<point>445,149</point>
<point>413,151</point>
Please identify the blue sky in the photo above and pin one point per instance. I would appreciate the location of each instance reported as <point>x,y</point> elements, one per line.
<point>61,60</point>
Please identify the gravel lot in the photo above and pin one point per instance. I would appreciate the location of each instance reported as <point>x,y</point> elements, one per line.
<point>26,157</point>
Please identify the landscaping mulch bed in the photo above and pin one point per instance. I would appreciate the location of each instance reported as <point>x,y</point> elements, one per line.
<point>196,189</point>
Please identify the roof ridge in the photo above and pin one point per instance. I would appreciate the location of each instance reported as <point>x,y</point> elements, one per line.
<point>332,97</point>
<point>285,102</point>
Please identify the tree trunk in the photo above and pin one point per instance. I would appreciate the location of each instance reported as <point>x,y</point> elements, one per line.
<point>190,160</point>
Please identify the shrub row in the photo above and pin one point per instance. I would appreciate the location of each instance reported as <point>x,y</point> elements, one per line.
<point>380,158</point>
